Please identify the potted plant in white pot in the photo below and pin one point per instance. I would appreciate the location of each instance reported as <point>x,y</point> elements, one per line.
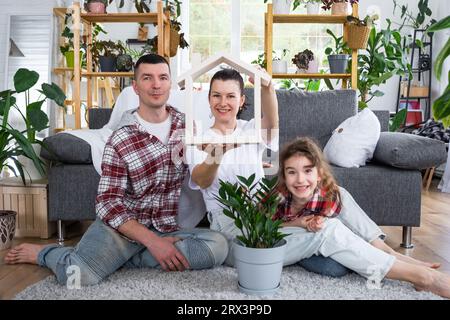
<point>339,55</point>
<point>312,6</point>
<point>278,64</point>
<point>259,250</point>
<point>306,62</point>
<point>284,6</point>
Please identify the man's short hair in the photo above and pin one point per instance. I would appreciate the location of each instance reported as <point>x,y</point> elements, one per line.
<point>151,58</point>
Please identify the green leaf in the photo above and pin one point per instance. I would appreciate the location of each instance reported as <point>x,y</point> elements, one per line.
<point>441,106</point>
<point>377,93</point>
<point>440,25</point>
<point>443,54</point>
<point>362,105</point>
<point>12,102</point>
<point>398,120</point>
<point>54,92</point>
<point>25,79</point>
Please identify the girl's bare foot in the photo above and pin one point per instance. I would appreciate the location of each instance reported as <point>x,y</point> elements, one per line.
<point>380,244</point>
<point>398,255</point>
<point>436,282</point>
<point>24,253</point>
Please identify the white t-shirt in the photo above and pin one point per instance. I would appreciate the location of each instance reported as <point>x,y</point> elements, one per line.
<point>243,161</point>
<point>160,130</point>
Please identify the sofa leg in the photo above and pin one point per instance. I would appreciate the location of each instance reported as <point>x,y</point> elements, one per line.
<point>406,238</point>
<point>61,232</point>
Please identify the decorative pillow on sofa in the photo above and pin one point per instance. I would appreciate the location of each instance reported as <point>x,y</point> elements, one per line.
<point>354,140</point>
<point>408,151</point>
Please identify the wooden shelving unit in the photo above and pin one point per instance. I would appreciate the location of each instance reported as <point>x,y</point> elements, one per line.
<point>271,18</point>
<point>86,20</point>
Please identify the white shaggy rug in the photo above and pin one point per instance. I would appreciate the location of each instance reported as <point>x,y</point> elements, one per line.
<point>221,284</point>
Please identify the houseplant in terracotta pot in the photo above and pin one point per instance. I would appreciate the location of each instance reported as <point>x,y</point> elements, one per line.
<point>338,7</point>
<point>259,249</point>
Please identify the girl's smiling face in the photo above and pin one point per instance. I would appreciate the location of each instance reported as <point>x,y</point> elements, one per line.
<point>301,178</point>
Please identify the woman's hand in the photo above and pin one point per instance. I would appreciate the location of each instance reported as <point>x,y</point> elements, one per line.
<point>252,80</point>
<point>216,151</point>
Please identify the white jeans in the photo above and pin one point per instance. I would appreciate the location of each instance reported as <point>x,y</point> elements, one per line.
<point>345,239</point>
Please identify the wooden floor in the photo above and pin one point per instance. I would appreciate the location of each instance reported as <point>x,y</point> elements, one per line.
<point>431,240</point>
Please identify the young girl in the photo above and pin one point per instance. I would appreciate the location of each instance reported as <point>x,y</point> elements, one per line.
<point>323,218</point>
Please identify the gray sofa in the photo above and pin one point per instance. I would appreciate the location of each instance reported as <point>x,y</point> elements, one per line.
<point>388,188</point>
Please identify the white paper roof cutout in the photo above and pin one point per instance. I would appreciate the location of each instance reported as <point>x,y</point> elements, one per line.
<point>186,81</point>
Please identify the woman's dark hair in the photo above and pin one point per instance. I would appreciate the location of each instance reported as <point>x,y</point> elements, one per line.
<point>150,58</point>
<point>229,74</point>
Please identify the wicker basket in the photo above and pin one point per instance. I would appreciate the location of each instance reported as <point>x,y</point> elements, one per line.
<point>174,42</point>
<point>358,36</point>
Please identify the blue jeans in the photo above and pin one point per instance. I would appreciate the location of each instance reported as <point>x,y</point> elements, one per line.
<point>324,266</point>
<point>102,250</point>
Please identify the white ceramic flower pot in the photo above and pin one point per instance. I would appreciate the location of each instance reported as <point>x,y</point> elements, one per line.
<point>312,8</point>
<point>313,67</point>
<point>259,270</point>
<point>279,66</point>
<point>281,6</point>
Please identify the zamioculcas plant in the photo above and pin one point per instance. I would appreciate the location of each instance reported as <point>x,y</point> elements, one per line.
<point>252,207</point>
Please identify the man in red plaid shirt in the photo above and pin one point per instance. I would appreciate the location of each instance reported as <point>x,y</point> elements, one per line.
<point>138,194</point>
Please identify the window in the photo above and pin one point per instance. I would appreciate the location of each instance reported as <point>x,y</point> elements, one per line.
<point>210,31</point>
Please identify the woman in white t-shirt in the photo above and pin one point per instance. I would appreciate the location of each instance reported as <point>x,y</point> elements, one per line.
<point>226,162</point>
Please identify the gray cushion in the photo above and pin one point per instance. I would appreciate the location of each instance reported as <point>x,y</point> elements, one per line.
<point>408,151</point>
<point>64,147</point>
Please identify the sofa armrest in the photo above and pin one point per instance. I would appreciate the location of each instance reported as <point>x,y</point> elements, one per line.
<point>383,117</point>
<point>408,151</point>
<point>66,148</point>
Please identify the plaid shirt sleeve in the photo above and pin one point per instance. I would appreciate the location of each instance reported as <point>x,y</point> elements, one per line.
<point>111,190</point>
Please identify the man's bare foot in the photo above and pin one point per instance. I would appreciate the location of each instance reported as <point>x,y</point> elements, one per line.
<point>24,253</point>
<point>437,283</point>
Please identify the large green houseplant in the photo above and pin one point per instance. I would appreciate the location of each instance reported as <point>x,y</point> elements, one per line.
<point>15,143</point>
<point>441,106</point>
<point>259,249</point>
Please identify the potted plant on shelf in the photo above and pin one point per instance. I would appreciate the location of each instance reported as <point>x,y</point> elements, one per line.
<point>104,55</point>
<point>97,6</point>
<point>124,60</point>
<point>338,56</point>
<point>278,64</point>
<point>312,6</point>
<point>306,62</point>
<point>338,7</point>
<point>67,49</point>
<point>18,141</point>
<point>359,30</point>
<point>284,6</point>
<point>259,250</point>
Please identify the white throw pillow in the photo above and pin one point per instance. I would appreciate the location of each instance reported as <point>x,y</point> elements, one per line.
<point>354,140</point>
